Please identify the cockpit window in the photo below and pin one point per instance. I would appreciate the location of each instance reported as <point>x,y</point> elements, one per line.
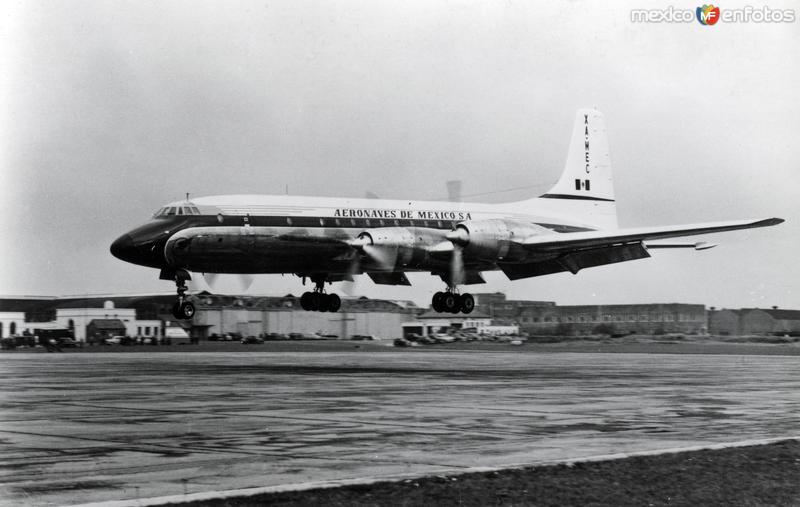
<point>176,210</point>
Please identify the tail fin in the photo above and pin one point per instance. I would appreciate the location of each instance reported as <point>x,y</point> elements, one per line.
<point>585,190</point>
<point>587,173</point>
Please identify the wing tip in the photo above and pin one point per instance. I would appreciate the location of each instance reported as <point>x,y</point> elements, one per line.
<point>767,222</point>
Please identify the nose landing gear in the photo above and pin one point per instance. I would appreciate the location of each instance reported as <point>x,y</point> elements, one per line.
<point>182,309</point>
<point>318,300</point>
<point>451,301</point>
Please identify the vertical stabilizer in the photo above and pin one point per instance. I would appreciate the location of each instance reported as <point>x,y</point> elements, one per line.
<point>585,191</point>
<point>587,173</point>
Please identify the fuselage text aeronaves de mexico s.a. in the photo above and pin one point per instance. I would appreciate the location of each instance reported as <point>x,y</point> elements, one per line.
<point>571,227</point>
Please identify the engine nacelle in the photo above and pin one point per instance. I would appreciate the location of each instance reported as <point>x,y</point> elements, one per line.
<point>399,246</point>
<point>494,239</point>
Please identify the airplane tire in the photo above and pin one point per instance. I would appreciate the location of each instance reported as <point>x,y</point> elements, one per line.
<point>305,301</point>
<point>314,301</point>
<point>324,302</point>
<point>467,303</point>
<point>334,303</point>
<point>187,310</point>
<point>436,302</point>
<point>450,303</point>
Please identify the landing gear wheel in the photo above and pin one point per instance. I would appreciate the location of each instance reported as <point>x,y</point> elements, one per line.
<point>305,301</point>
<point>314,301</point>
<point>324,302</point>
<point>467,303</point>
<point>436,302</point>
<point>450,302</point>
<point>186,310</point>
<point>334,303</point>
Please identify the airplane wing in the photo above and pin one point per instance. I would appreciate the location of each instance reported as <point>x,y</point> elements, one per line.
<point>574,251</point>
<point>593,239</point>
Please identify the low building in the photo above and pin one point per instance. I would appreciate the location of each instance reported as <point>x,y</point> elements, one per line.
<point>579,320</point>
<point>773,321</point>
<point>262,315</point>
<point>723,322</point>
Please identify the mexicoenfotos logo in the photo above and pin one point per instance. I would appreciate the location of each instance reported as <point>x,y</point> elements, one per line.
<point>707,14</point>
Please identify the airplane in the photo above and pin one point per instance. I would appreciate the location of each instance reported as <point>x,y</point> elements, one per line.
<point>571,227</point>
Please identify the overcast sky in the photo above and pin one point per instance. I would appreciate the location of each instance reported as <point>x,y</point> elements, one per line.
<point>110,109</point>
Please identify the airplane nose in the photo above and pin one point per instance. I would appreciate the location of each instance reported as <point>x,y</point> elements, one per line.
<point>123,248</point>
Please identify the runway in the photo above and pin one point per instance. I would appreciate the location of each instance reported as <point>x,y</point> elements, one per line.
<point>80,428</point>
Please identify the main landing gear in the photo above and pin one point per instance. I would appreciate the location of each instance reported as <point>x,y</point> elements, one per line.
<point>182,309</point>
<point>453,302</point>
<point>318,300</point>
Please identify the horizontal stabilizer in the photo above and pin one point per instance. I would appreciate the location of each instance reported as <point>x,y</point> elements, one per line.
<point>700,245</point>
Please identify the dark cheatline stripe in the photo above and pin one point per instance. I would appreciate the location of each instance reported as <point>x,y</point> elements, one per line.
<point>184,221</point>
<point>576,197</point>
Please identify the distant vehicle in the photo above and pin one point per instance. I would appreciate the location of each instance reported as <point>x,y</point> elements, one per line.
<point>115,340</point>
<point>443,338</point>
<point>401,342</point>
<point>276,336</point>
<point>516,342</point>
<point>177,336</point>
<point>248,340</point>
<point>67,342</point>
<point>362,337</point>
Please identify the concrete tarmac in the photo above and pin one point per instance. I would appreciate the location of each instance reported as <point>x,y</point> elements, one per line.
<point>79,428</point>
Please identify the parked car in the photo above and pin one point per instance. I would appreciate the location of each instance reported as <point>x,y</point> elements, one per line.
<point>67,342</point>
<point>276,336</point>
<point>115,340</point>
<point>362,337</point>
<point>248,340</point>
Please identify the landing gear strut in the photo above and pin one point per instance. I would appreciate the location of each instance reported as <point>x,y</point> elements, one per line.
<point>451,301</point>
<point>182,309</point>
<point>318,300</point>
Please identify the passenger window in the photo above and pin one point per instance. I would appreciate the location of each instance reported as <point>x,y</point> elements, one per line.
<point>288,221</point>
<point>180,211</point>
<point>336,220</point>
<point>170,211</point>
<point>321,222</point>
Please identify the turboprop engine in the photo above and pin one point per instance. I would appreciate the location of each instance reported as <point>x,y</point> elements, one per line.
<point>493,239</point>
<point>390,247</point>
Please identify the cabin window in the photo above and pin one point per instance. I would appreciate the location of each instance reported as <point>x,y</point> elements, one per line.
<point>288,221</point>
<point>337,221</point>
<point>353,221</point>
<point>397,223</point>
<point>179,211</point>
<point>171,210</point>
<point>367,222</point>
<point>382,223</point>
<point>322,222</point>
